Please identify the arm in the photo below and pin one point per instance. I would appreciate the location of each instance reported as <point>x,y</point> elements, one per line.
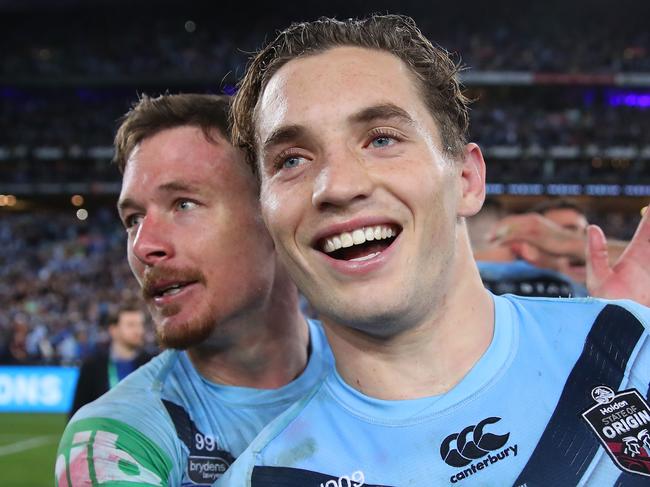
<point>97,451</point>
<point>548,236</point>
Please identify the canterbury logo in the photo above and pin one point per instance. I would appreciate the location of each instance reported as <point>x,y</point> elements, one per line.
<point>471,444</point>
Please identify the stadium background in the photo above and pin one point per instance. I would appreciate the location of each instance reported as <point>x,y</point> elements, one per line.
<point>563,108</point>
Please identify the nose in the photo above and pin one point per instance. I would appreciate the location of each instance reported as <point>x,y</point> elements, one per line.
<point>152,243</point>
<point>343,179</point>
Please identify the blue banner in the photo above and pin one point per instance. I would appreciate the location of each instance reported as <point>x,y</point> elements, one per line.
<point>37,389</point>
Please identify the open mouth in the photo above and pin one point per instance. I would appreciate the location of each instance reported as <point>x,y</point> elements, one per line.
<point>170,289</point>
<point>360,244</point>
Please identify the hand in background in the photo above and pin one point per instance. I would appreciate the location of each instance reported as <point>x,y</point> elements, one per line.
<point>629,277</point>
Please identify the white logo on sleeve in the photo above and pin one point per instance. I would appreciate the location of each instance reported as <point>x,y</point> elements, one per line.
<point>357,479</point>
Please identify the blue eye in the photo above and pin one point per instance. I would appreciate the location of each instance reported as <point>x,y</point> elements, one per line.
<point>132,221</point>
<point>185,205</point>
<point>291,162</point>
<point>382,141</point>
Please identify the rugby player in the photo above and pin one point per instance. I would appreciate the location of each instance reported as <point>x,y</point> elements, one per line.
<point>239,350</point>
<point>358,132</point>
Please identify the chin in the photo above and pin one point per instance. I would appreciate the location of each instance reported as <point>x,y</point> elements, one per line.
<point>380,323</point>
<point>182,336</point>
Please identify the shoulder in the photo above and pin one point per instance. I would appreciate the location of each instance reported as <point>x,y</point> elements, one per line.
<point>97,449</point>
<point>241,471</point>
<point>128,424</point>
<point>275,430</point>
<point>586,308</point>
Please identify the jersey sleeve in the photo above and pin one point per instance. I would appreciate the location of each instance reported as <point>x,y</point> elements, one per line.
<point>114,444</point>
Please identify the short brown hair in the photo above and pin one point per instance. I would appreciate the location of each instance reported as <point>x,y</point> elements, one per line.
<point>129,305</point>
<point>151,115</point>
<point>433,67</point>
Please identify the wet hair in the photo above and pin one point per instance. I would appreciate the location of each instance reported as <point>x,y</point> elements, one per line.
<point>433,68</point>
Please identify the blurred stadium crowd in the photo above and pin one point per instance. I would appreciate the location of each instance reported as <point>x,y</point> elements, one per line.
<point>63,89</point>
<point>171,47</point>
<point>60,279</point>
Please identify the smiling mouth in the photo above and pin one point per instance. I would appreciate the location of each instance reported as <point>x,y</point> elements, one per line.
<point>360,244</point>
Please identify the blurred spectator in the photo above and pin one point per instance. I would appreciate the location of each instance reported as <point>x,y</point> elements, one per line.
<point>15,349</point>
<point>123,354</point>
<point>571,216</point>
<point>519,267</point>
<point>212,45</point>
<point>59,278</point>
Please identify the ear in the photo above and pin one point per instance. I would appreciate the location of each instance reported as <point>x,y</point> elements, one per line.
<point>472,174</point>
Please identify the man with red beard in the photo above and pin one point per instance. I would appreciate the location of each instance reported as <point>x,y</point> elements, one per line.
<point>239,350</point>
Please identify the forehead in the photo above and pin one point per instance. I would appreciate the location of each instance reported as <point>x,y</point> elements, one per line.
<point>182,154</point>
<point>179,149</point>
<point>130,316</point>
<point>334,84</point>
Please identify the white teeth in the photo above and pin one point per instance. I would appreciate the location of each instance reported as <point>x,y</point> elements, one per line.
<point>346,240</point>
<point>172,290</point>
<point>365,257</point>
<point>357,237</point>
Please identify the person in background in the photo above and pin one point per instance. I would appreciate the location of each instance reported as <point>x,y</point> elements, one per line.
<point>520,267</point>
<point>125,353</point>
<point>570,216</point>
<point>560,240</point>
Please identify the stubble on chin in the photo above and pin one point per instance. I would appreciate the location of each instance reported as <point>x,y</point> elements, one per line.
<point>182,336</point>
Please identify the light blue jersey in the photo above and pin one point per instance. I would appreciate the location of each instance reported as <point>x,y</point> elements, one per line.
<point>165,425</point>
<point>516,418</point>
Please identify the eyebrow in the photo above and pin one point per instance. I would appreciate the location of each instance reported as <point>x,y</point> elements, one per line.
<point>283,135</point>
<point>385,111</point>
<point>171,187</point>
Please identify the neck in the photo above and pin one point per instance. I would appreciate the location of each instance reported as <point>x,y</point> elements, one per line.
<point>268,346</point>
<point>430,358</point>
<point>122,352</point>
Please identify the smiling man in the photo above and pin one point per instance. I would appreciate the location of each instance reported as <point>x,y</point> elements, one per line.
<point>240,350</point>
<point>358,132</point>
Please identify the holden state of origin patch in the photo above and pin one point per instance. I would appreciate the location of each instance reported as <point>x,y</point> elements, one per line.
<point>621,421</point>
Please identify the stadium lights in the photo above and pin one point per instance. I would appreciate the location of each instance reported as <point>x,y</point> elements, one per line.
<point>8,200</point>
<point>77,200</point>
<point>190,26</point>
<point>82,214</point>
